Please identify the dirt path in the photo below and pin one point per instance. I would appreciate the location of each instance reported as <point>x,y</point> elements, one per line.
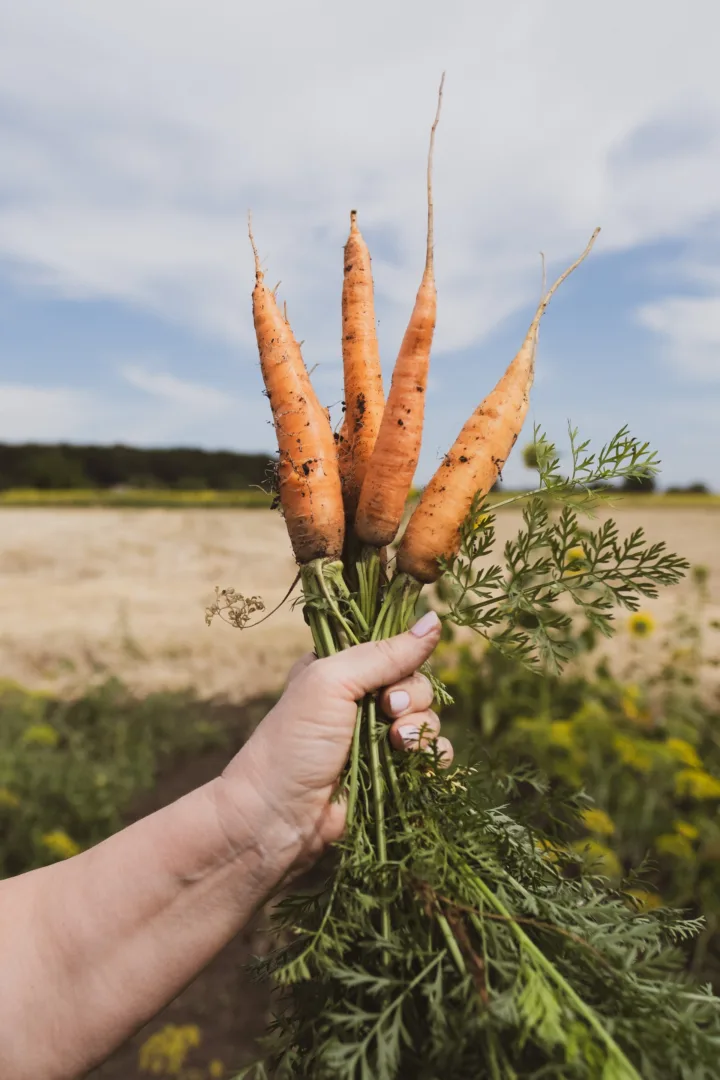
<point>90,591</point>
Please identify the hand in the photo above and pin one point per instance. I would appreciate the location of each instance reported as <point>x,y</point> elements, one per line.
<point>295,756</point>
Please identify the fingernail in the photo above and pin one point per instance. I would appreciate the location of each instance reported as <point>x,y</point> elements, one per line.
<point>399,701</point>
<point>423,626</point>
<point>409,735</point>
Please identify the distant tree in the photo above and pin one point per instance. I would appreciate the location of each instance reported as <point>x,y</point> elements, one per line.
<point>53,468</point>
<point>639,484</point>
<point>69,466</point>
<point>690,489</point>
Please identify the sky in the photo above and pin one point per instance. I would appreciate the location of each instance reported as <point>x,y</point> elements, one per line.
<point>134,138</point>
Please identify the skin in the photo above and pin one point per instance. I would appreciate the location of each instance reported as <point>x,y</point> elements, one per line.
<point>95,946</point>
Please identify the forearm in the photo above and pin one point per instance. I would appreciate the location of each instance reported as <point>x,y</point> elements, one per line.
<point>94,947</point>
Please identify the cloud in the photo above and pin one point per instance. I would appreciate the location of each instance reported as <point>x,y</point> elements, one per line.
<point>133,153</point>
<point>177,392</point>
<point>163,409</point>
<point>689,328</point>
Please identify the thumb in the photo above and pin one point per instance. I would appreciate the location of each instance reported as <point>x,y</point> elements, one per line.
<point>364,668</point>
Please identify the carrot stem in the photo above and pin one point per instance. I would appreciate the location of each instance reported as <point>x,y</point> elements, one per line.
<point>398,606</point>
<point>334,571</point>
<point>317,618</point>
<point>319,572</point>
<point>378,789</point>
<point>451,942</point>
<point>354,778</point>
<point>368,573</point>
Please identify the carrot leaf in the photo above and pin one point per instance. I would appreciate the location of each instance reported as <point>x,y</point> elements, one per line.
<point>556,565</point>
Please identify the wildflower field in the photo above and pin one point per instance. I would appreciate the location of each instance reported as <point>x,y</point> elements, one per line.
<point>634,723</point>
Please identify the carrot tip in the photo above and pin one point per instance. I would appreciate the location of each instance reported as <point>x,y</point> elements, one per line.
<point>259,276</point>
<point>429,254</point>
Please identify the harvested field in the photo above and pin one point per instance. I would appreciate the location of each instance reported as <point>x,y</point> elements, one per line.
<point>90,592</point>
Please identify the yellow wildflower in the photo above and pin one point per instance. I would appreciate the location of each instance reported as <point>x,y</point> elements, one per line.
<point>630,703</point>
<point>690,832</point>
<point>561,734</point>
<point>576,561</point>
<point>598,858</point>
<point>684,752</point>
<point>697,784</point>
<point>645,900</point>
<point>633,752</point>
<point>216,1069</point>
<point>675,845</point>
<point>591,712</point>
<point>641,624</point>
<point>8,801</point>
<point>598,822</point>
<point>164,1053</point>
<point>41,735</point>
<point>59,844</point>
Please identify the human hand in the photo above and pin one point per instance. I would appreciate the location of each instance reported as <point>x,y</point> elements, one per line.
<point>295,756</point>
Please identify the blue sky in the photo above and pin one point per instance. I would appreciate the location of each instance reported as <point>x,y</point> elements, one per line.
<point>134,140</point>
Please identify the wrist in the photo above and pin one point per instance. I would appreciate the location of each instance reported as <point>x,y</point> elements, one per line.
<point>286,824</point>
<point>253,833</point>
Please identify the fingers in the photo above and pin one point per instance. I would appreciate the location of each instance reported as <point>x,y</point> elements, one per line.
<point>411,695</point>
<point>365,668</point>
<point>419,731</point>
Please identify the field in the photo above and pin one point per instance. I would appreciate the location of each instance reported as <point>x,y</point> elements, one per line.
<point>91,591</point>
<point>99,592</point>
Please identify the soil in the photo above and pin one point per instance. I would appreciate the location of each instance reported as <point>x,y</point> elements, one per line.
<point>91,592</point>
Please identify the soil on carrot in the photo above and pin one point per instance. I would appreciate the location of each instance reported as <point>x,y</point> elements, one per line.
<point>229,1009</point>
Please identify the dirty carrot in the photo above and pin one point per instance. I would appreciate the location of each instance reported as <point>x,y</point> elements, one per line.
<point>397,448</point>
<point>364,398</point>
<point>307,471</point>
<point>475,460</point>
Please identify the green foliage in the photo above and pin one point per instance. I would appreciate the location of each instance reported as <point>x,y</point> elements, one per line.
<point>68,770</point>
<point>498,960</point>
<point>461,931</point>
<point>643,739</point>
<point>555,559</point>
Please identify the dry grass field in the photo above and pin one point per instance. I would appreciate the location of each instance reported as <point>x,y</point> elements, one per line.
<point>91,592</point>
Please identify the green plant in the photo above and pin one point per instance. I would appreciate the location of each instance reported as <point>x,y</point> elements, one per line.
<point>69,770</point>
<point>457,932</point>
<point>642,740</point>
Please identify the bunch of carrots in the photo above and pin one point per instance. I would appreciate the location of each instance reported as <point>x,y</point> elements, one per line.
<point>418,957</point>
<point>343,495</point>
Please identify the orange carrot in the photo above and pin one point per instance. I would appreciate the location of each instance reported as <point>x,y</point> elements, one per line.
<point>397,448</point>
<point>473,464</point>
<point>364,398</point>
<point>308,476</point>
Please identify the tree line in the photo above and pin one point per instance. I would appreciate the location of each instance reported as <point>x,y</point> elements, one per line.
<point>62,466</point>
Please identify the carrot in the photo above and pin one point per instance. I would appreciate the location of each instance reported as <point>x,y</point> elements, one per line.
<point>392,466</point>
<point>364,398</point>
<point>308,476</point>
<point>473,464</point>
